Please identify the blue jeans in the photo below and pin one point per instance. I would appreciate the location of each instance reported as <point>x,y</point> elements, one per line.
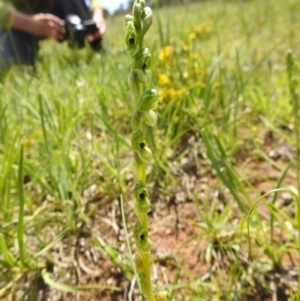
<point>17,47</point>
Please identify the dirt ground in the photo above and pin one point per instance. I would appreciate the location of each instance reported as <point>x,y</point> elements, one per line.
<point>180,243</point>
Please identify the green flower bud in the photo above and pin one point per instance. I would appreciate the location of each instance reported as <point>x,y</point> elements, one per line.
<point>141,65</point>
<point>147,19</point>
<point>145,154</point>
<point>138,141</point>
<point>141,238</point>
<point>139,169</point>
<point>149,118</point>
<point>136,120</point>
<point>137,11</point>
<point>142,203</point>
<point>148,101</point>
<point>161,296</point>
<point>129,18</point>
<point>134,84</point>
<point>131,39</point>
<point>143,76</point>
<point>140,190</point>
<point>139,145</point>
<point>142,60</point>
<point>142,2</point>
<point>139,263</point>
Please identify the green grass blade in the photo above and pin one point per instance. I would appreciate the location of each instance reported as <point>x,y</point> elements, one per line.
<point>8,257</point>
<point>229,183</point>
<point>74,289</point>
<point>128,244</point>
<point>20,225</point>
<point>53,243</point>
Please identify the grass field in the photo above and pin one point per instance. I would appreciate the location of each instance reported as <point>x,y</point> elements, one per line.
<point>228,133</point>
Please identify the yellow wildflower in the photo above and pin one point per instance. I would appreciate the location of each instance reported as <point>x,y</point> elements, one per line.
<point>166,53</point>
<point>184,46</point>
<point>192,36</point>
<point>202,30</point>
<point>168,93</point>
<point>185,74</point>
<point>163,79</point>
<point>172,92</point>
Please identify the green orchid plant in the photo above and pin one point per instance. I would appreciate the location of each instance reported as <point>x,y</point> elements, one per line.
<point>144,115</point>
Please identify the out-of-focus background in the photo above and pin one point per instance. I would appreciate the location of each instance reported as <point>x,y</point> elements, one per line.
<point>228,134</point>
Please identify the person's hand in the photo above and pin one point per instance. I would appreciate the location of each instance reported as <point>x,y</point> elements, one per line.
<point>47,26</point>
<point>40,25</point>
<point>98,18</point>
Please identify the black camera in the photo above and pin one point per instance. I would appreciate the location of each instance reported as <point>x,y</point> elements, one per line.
<point>77,30</point>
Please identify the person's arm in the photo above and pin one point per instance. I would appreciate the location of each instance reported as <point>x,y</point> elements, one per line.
<point>98,17</point>
<point>41,25</point>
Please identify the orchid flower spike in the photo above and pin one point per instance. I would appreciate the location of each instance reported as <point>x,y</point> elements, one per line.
<point>143,117</point>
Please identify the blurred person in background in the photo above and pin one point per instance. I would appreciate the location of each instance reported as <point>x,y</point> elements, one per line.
<point>24,22</point>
